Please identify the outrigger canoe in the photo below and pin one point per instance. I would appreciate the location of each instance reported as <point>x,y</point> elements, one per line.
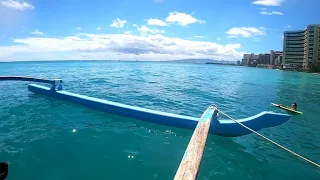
<point>286,108</point>
<point>227,128</point>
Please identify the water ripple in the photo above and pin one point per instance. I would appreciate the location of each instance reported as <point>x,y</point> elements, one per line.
<point>37,132</point>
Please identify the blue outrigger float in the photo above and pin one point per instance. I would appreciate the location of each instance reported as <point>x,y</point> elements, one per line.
<point>227,128</point>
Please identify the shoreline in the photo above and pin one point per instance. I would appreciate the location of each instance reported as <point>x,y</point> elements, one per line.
<point>293,70</point>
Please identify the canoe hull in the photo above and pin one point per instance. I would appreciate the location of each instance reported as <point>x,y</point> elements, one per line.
<point>226,128</point>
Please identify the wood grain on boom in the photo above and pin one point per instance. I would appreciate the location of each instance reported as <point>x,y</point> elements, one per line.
<point>191,160</point>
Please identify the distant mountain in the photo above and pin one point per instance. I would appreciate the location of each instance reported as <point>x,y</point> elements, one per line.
<point>203,61</point>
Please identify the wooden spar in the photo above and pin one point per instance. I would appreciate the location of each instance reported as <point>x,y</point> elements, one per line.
<point>54,83</point>
<point>191,160</point>
<point>23,78</point>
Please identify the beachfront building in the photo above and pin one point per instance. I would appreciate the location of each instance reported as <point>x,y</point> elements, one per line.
<point>275,57</point>
<point>264,58</point>
<point>301,48</point>
<point>250,59</point>
<point>278,60</point>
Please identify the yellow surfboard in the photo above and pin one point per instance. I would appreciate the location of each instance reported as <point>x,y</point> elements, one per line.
<point>286,108</point>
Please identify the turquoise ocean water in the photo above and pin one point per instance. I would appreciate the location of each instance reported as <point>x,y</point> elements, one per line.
<point>37,138</point>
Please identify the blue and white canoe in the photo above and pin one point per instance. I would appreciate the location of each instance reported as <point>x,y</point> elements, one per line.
<point>227,128</point>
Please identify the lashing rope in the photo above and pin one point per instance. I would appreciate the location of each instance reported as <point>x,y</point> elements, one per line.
<point>282,147</point>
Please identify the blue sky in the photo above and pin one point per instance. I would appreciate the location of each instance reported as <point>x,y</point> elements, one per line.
<point>147,29</point>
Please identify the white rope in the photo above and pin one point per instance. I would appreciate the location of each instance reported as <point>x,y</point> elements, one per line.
<point>271,140</point>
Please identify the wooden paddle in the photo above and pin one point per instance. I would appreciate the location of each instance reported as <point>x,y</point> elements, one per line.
<point>191,160</point>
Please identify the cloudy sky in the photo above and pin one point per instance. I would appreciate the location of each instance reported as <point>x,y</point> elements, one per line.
<point>147,29</point>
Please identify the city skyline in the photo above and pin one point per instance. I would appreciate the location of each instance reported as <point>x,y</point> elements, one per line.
<point>301,51</point>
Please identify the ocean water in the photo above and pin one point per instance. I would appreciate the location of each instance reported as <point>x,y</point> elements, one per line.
<point>38,142</point>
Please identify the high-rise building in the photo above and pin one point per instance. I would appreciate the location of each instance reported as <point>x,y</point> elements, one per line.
<point>249,58</point>
<point>274,56</point>
<point>264,58</point>
<point>301,48</point>
<point>278,61</point>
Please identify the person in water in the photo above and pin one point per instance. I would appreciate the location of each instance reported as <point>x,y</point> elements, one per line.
<point>294,106</point>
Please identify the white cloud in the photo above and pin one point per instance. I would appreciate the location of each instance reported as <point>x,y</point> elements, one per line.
<point>219,39</point>
<point>116,46</point>
<point>282,37</point>
<point>128,32</point>
<point>182,19</point>
<point>271,13</point>
<point>99,28</point>
<point>268,2</point>
<point>234,46</point>
<point>263,28</point>
<point>288,27</point>
<point>156,22</point>
<point>198,36</point>
<point>78,28</point>
<point>118,23</point>
<point>246,32</point>
<point>19,5</point>
<point>37,32</point>
<point>144,30</point>
<point>232,36</point>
